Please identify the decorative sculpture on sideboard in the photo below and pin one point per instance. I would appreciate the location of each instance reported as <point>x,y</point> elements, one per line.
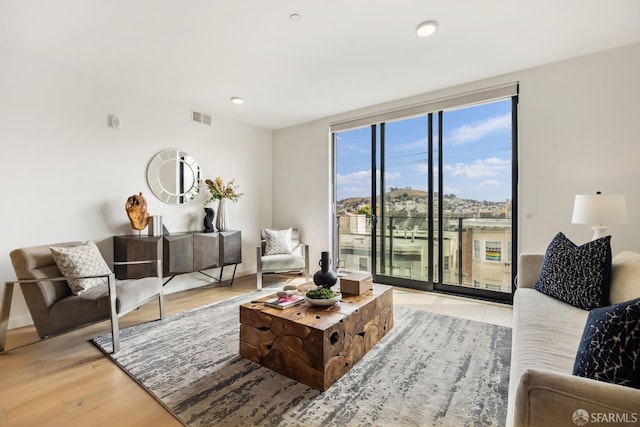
<point>136,208</point>
<point>208,220</point>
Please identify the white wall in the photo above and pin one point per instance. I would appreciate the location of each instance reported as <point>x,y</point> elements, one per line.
<point>301,190</point>
<point>577,134</point>
<point>66,175</point>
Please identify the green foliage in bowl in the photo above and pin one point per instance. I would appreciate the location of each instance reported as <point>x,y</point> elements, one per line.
<point>321,293</point>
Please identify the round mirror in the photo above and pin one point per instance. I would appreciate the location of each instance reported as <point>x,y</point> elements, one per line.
<point>174,176</point>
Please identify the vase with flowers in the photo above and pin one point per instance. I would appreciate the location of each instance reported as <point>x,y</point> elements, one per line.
<point>219,191</point>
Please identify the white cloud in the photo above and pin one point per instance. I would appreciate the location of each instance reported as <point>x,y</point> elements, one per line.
<point>362,177</point>
<point>422,168</point>
<point>479,168</point>
<point>477,130</point>
<point>390,175</point>
<point>353,177</point>
<point>491,183</point>
<point>358,184</point>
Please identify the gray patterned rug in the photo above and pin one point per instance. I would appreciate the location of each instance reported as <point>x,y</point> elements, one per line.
<point>429,370</point>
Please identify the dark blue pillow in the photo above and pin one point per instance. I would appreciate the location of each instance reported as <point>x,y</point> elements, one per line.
<point>610,347</point>
<point>577,275</point>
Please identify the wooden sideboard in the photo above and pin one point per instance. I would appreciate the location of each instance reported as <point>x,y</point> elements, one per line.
<point>180,252</point>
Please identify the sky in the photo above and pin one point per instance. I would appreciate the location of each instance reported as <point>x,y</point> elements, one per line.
<point>476,154</point>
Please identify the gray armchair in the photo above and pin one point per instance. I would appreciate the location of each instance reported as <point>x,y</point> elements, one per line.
<point>55,309</point>
<point>295,261</point>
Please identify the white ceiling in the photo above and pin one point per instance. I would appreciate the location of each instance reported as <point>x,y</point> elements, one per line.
<point>341,55</point>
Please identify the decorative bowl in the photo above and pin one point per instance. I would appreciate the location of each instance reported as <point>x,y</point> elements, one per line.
<point>325,301</point>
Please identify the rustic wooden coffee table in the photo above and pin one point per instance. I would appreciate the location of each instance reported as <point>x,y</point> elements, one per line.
<point>315,345</point>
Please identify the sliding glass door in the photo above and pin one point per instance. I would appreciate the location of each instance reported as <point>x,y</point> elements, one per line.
<point>427,201</point>
<point>355,215</point>
<point>476,192</point>
<point>403,230</point>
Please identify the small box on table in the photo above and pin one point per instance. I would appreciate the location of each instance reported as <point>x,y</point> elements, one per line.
<point>356,282</point>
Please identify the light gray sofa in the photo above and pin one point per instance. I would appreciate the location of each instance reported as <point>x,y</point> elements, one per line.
<point>546,334</point>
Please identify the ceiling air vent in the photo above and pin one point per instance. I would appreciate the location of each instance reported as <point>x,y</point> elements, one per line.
<point>199,117</point>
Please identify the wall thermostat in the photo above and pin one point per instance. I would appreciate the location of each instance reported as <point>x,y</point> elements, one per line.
<point>114,121</point>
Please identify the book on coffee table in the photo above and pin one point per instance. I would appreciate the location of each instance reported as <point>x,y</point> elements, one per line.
<point>285,302</point>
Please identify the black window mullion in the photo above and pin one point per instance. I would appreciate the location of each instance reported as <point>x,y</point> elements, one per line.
<point>430,200</point>
<point>514,190</point>
<point>440,199</point>
<point>374,202</point>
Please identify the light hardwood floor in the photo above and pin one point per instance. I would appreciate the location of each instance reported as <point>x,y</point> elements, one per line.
<point>67,381</point>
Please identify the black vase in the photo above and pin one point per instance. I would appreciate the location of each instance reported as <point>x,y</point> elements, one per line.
<point>208,220</point>
<point>325,277</point>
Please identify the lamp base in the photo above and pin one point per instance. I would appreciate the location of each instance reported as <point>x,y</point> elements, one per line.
<point>599,231</point>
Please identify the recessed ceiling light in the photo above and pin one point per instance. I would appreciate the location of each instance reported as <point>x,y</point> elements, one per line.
<point>295,17</point>
<point>237,100</point>
<point>426,28</point>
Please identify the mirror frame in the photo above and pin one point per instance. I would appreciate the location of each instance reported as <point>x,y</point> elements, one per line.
<point>160,189</point>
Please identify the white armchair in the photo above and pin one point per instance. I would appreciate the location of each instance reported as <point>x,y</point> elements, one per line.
<point>281,251</point>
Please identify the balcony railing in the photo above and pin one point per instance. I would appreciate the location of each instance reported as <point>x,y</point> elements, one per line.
<point>402,250</point>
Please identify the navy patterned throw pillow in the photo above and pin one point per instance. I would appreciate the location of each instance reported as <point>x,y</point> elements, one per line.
<point>577,275</point>
<point>610,346</point>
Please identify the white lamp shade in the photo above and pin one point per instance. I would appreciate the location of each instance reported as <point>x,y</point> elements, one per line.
<point>600,209</point>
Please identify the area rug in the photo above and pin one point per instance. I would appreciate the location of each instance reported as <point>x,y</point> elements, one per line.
<point>430,370</point>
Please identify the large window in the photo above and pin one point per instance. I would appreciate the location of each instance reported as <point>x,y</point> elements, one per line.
<point>429,198</point>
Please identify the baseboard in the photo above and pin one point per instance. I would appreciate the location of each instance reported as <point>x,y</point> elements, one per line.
<point>183,282</point>
<point>19,322</point>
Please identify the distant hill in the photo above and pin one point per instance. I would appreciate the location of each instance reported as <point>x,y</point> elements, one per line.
<point>411,194</point>
<point>396,202</point>
<point>350,201</point>
<point>407,193</point>
<point>397,193</point>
